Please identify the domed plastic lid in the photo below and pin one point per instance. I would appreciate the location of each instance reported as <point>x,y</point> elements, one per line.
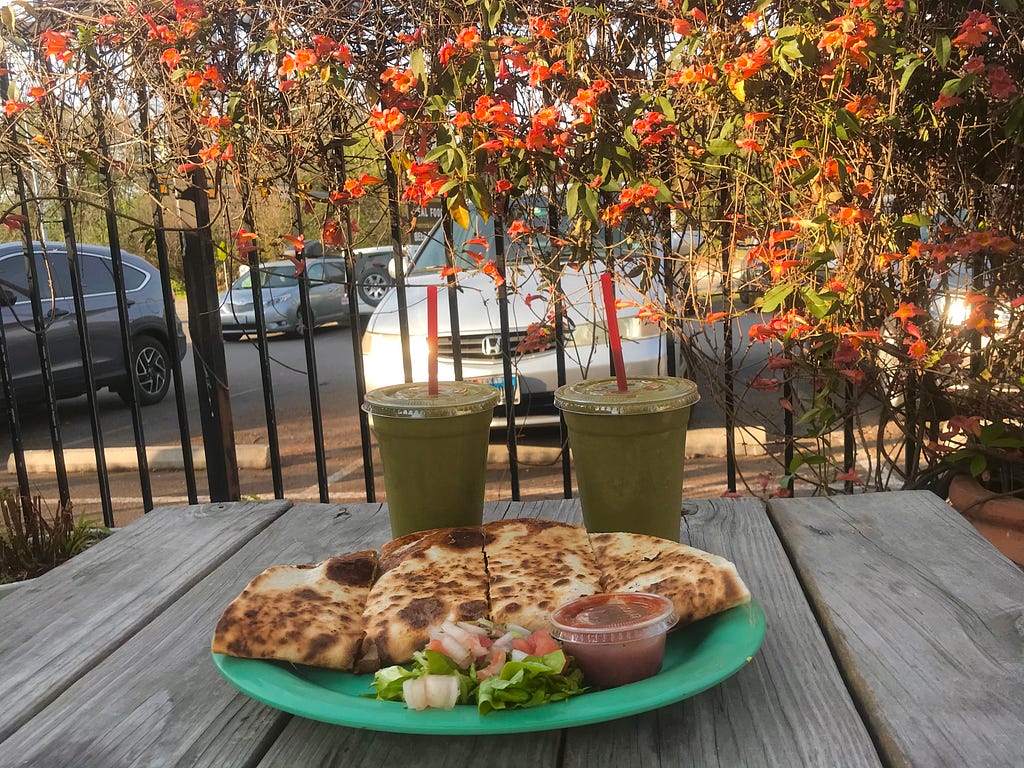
<point>613,617</point>
<point>414,401</point>
<point>644,394</point>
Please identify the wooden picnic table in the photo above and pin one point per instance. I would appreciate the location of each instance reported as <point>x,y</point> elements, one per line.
<point>895,637</point>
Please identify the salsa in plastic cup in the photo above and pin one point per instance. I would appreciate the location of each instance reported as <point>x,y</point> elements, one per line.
<point>628,451</point>
<point>434,452</point>
<point>617,638</point>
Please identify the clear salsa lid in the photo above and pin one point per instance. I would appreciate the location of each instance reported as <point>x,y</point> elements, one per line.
<point>614,617</point>
<point>644,394</point>
<point>414,401</point>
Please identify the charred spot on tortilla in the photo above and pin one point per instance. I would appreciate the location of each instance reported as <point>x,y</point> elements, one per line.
<point>422,611</point>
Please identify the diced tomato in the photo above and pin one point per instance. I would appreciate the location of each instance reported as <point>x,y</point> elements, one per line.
<point>435,645</point>
<point>543,643</point>
<point>485,641</point>
<point>524,644</point>
<point>497,662</point>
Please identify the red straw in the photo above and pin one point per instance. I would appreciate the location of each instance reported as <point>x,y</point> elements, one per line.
<point>613,331</point>
<point>432,339</point>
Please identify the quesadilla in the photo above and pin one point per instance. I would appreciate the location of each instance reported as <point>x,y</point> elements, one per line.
<point>698,583</point>
<point>425,579</point>
<point>306,614</point>
<point>535,566</point>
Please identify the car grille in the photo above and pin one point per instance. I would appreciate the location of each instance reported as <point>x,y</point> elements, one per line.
<point>479,346</point>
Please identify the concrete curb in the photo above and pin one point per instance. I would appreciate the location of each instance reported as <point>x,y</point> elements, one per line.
<point>709,441</point>
<point>160,457</point>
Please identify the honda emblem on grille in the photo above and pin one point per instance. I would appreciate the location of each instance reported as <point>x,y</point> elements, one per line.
<point>491,345</point>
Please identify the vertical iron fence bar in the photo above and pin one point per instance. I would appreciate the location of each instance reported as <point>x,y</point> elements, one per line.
<point>668,280</point>
<point>337,153</point>
<point>787,422</point>
<point>37,313</point>
<point>506,356</point>
<point>212,388</point>
<point>81,325</point>
<point>170,313</point>
<point>252,258</point>
<point>453,291</point>
<point>558,304</point>
<point>84,344</point>
<point>127,343</point>
<point>42,348</point>
<point>312,378</point>
<point>849,440</point>
<point>395,225</point>
<point>730,372</point>
<point>14,423</point>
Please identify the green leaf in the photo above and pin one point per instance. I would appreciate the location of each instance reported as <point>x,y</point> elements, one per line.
<point>810,460</point>
<point>909,72</point>
<point>806,176</point>
<point>978,464</point>
<point>774,297</point>
<point>942,50</point>
<point>418,65</point>
<point>916,220</point>
<point>818,306</point>
<point>588,203</point>
<point>572,200</point>
<point>721,147</point>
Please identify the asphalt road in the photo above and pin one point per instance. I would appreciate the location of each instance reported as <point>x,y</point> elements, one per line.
<point>540,475</point>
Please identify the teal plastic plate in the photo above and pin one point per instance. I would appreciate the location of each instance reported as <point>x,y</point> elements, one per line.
<point>697,657</point>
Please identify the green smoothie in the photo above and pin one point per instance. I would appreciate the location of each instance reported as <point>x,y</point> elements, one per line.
<point>434,452</point>
<point>628,451</point>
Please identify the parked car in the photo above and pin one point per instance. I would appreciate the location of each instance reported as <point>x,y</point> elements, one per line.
<point>328,299</point>
<point>151,347</point>
<point>482,347</point>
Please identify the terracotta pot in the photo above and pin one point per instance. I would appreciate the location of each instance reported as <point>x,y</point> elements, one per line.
<point>1000,519</point>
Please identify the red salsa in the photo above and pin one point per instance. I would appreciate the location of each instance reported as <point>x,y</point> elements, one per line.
<point>616,638</point>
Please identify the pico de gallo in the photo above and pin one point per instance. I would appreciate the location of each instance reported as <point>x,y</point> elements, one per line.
<point>491,665</point>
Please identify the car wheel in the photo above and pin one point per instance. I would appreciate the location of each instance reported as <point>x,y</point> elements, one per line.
<point>373,285</point>
<point>299,331</point>
<point>152,370</point>
<point>232,336</point>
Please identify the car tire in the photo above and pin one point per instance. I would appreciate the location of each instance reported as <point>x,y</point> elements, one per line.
<point>232,336</point>
<point>299,330</point>
<point>151,369</point>
<point>374,283</point>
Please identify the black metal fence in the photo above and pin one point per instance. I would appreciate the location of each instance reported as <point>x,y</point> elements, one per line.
<point>34,303</point>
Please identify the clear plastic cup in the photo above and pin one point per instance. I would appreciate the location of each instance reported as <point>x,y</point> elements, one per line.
<point>628,450</point>
<point>434,452</point>
<point>617,638</point>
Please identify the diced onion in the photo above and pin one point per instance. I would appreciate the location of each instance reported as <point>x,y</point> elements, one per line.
<point>518,655</point>
<point>504,643</point>
<point>454,651</point>
<point>476,629</point>
<point>442,691</point>
<point>414,691</point>
<point>460,635</point>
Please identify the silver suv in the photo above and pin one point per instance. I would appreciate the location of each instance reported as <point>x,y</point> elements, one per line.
<point>151,347</point>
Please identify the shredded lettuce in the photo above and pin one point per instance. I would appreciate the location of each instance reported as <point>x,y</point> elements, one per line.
<point>534,680</point>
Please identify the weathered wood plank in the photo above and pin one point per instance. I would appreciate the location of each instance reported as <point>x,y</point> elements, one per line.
<point>158,700</point>
<point>788,707</point>
<point>926,619</point>
<point>60,625</point>
<point>304,742</point>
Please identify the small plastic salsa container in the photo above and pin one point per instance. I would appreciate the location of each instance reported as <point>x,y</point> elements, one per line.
<point>617,638</point>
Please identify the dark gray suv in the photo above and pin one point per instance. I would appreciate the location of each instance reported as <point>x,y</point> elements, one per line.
<point>152,364</point>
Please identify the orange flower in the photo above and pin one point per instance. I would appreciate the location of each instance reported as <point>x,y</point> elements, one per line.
<point>749,145</point>
<point>974,30</point>
<point>170,58</point>
<point>56,44</point>
<point>906,311</point>
<point>385,121</point>
<point>468,38</point>
<point>944,101</point>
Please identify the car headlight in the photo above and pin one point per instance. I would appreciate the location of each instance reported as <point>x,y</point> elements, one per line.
<point>389,345</point>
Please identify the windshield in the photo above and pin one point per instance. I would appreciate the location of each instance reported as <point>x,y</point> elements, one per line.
<point>535,247</point>
<point>281,276</point>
